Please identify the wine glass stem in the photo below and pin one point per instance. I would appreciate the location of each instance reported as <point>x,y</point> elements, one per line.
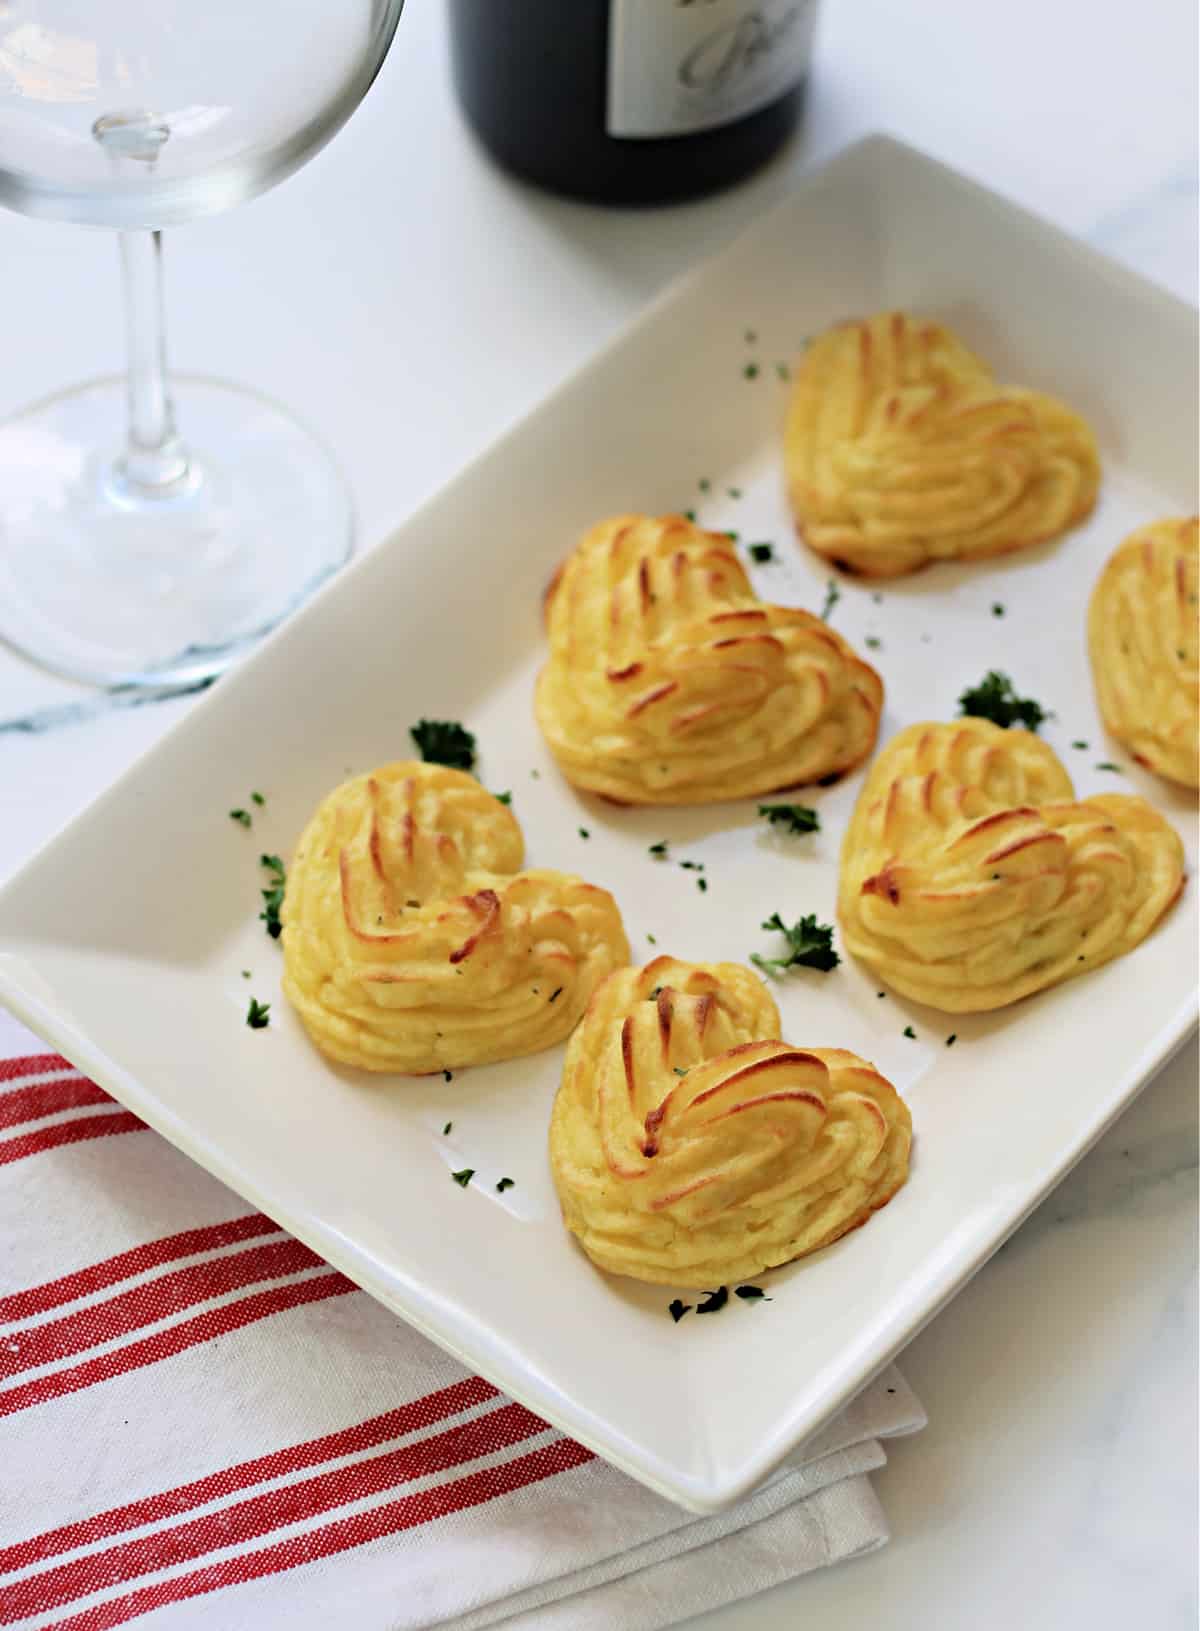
<point>155,461</point>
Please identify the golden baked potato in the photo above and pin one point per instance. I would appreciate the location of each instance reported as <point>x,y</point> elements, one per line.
<point>691,1146</point>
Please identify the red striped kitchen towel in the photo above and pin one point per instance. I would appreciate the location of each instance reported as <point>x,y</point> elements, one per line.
<point>204,1425</point>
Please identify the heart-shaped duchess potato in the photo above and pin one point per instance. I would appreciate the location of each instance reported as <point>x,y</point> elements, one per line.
<point>670,682</point>
<point>412,942</point>
<point>971,876</point>
<point>690,1146</point>
<point>901,449</point>
<point>1142,635</point>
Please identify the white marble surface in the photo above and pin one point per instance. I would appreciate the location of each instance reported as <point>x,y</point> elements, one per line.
<point>410,302</point>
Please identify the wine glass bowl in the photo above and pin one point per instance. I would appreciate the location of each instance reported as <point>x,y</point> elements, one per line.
<point>152,528</point>
<point>241,94</point>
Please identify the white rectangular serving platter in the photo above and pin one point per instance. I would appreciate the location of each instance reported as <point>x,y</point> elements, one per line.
<point>123,940</point>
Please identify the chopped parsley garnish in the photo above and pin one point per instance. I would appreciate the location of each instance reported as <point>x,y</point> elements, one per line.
<point>873,642</point>
<point>733,536</point>
<point>810,945</point>
<point>877,598</point>
<point>1081,745</point>
<point>881,993</point>
<point>659,850</point>
<point>536,774</point>
<point>245,974</point>
<point>952,1039</point>
<point>750,371</point>
<point>751,1294</point>
<point>240,816</point>
<point>832,595</point>
<point>273,896</point>
<point>762,553</point>
<point>257,798</point>
<point>909,1033</point>
<point>652,940</point>
<point>734,492</point>
<point>997,609</point>
<point>463,1177</point>
<point>258,1015</point>
<point>715,1300</point>
<point>692,866</point>
<point>584,833</point>
<point>680,1070</point>
<point>702,885</point>
<point>444,742</point>
<point>704,484</point>
<point>447,1075</point>
<point>783,371</point>
<point>795,817</point>
<point>556,993</point>
<point>503,798</point>
<point>690,515</point>
<point>505,1183</point>
<point>1107,764</point>
<point>994,698</point>
<point>677,1309</point>
<point>446,1129</point>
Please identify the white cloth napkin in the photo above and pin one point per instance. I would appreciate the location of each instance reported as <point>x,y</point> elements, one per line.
<point>204,1425</point>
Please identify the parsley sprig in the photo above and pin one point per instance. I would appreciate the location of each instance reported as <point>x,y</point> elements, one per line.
<point>258,1015</point>
<point>994,698</point>
<point>810,945</point>
<point>444,742</point>
<point>273,895</point>
<point>795,817</point>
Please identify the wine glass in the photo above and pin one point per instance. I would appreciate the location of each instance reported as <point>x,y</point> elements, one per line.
<point>152,528</point>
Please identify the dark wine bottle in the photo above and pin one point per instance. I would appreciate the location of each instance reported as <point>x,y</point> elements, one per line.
<point>631,101</point>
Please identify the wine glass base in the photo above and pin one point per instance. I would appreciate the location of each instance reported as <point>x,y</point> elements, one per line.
<point>100,581</point>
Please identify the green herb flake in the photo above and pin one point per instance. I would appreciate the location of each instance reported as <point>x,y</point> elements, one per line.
<point>447,1075</point>
<point>690,514</point>
<point>810,945</point>
<point>273,895</point>
<point>704,484</point>
<point>245,974</point>
<point>677,1309</point>
<point>242,817</point>
<point>1107,764</point>
<point>258,1015</point>
<point>733,536</point>
<point>659,850</point>
<point>584,833</point>
<point>751,1294</point>
<point>952,1039</point>
<point>1082,746</point>
<point>873,643</point>
<point>702,885</point>
<point>795,817</point>
<point>877,597</point>
<point>714,1301</point>
<point>444,742</point>
<point>761,553</point>
<point>536,774</point>
<point>505,1183</point>
<point>652,940</point>
<point>994,698</point>
<point>503,798</point>
<point>556,993</point>
<point>680,1070</point>
<point>257,798</point>
<point>463,1176</point>
<point>832,595</point>
<point>734,492</point>
<point>909,1033</point>
<point>881,993</point>
<point>653,997</point>
<point>750,371</point>
<point>692,866</point>
<point>446,1129</point>
<point>783,371</point>
<point>997,609</point>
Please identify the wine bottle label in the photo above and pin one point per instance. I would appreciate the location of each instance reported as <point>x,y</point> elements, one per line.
<point>676,66</point>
